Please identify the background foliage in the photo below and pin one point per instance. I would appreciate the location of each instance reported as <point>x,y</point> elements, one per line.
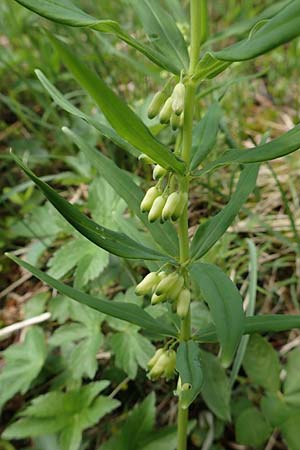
<point>89,367</point>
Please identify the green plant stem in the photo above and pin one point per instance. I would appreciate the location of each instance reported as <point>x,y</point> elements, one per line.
<point>196,7</point>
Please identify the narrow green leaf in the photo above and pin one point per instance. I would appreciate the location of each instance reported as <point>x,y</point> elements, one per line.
<point>269,323</point>
<point>68,14</point>
<point>116,243</point>
<point>66,105</point>
<point>124,311</point>
<point>216,389</point>
<point>165,235</point>
<point>284,145</point>
<point>209,67</point>
<point>162,31</point>
<point>188,365</point>
<point>225,304</point>
<point>282,28</point>
<point>210,232</point>
<point>244,26</point>
<point>261,363</point>
<point>126,123</point>
<point>205,135</point>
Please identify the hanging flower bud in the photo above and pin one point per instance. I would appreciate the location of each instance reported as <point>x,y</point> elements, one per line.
<point>183,303</point>
<point>165,285</point>
<point>171,205</point>
<point>175,121</point>
<point>178,98</point>
<point>156,208</point>
<point>155,299</point>
<point>171,364</point>
<point>147,283</point>
<point>180,206</point>
<point>149,198</point>
<point>181,121</point>
<point>156,104</point>
<point>164,366</point>
<point>155,358</point>
<point>159,172</point>
<point>145,159</point>
<point>166,111</point>
<point>173,294</point>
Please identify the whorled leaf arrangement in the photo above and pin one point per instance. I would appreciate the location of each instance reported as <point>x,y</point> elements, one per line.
<point>178,259</point>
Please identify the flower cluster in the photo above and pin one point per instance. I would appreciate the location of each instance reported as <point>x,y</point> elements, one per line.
<point>162,364</point>
<point>168,108</point>
<point>164,287</point>
<point>163,204</point>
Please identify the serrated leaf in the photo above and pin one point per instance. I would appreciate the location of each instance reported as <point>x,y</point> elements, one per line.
<point>210,232</point>
<point>131,350</point>
<point>126,123</point>
<point>188,365</point>
<point>205,135</point>
<point>251,428</point>
<point>113,242</point>
<point>129,312</point>
<point>261,363</point>
<point>111,205</point>
<point>89,259</point>
<point>287,143</point>
<point>282,28</point>
<point>216,388</point>
<point>68,14</point>
<point>165,235</point>
<point>162,31</point>
<point>68,413</point>
<point>23,363</point>
<point>225,304</point>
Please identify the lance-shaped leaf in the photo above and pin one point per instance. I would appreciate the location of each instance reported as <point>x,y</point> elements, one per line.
<point>281,146</point>
<point>188,365</point>
<point>104,128</point>
<point>67,13</point>
<point>210,232</point>
<point>282,28</point>
<point>205,135</point>
<point>165,235</point>
<point>162,31</point>
<point>121,310</point>
<point>269,323</point>
<point>244,26</point>
<point>117,243</point>
<point>225,304</point>
<point>209,67</point>
<point>126,123</point>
